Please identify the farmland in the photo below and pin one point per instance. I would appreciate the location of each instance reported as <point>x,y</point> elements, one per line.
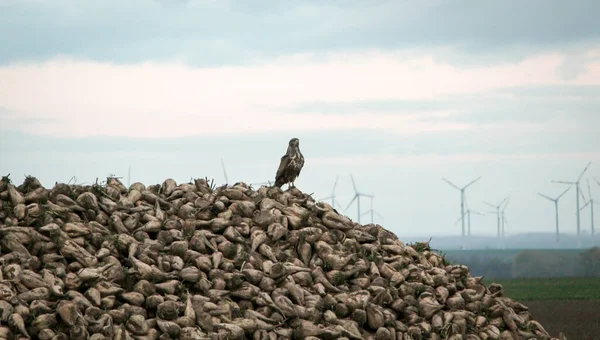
<point>568,305</point>
<point>577,319</point>
<point>565,288</point>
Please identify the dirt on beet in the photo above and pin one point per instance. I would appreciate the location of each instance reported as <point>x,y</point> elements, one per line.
<point>577,319</point>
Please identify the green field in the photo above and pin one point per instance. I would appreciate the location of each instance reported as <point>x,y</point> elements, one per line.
<point>567,288</point>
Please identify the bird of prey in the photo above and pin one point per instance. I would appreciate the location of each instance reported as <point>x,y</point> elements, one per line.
<point>291,164</point>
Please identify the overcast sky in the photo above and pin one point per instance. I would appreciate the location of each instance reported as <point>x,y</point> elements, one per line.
<point>398,93</point>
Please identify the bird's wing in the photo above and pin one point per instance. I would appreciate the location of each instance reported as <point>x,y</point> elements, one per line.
<point>301,164</point>
<point>285,160</point>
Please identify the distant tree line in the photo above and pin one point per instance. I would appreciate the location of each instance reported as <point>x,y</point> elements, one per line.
<point>534,264</point>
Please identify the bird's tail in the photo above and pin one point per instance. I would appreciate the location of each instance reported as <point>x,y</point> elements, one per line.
<point>278,183</point>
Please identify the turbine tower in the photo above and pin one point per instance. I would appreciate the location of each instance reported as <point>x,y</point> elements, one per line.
<point>591,203</point>
<point>468,213</point>
<point>372,212</point>
<point>462,202</point>
<point>497,212</point>
<point>577,194</point>
<point>356,197</point>
<point>555,200</point>
<point>508,224</point>
<point>129,176</point>
<point>503,241</point>
<point>332,196</point>
<point>224,171</point>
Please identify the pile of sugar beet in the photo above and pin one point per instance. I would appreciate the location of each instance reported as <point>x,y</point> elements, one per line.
<point>195,261</point>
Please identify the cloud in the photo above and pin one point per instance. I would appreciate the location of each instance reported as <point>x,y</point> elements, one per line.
<point>235,32</point>
<point>552,92</point>
<point>541,104</point>
<point>464,158</point>
<point>559,135</point>
<point>172,99</point>
<point>17,120</point>
<point>381,106</point>
<point>398,93</point>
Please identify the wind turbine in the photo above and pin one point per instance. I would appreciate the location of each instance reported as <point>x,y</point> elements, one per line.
<point>356,197</point>
<point>577,194</point>
<point>497,212</point>
<point>332,196</point>
<point>462,201</point>
<point>591,203</point>
<point>371,211</point>
<point>555,200</point>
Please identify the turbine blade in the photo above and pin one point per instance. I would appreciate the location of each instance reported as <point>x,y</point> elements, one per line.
<point>334,185</point>
<point>564,192</point>
<point>378,215</point>
<point>473,181</point>
<point>563,182</point>
<point>507,200</point>
<point>507,197</point>
<point>349,204</point>
<point>597,181</point>
<point>544,196</point>
<point>585,205</point>
<point>353,184</point>
<point>584,170</point>
<point>452,184</point>
<point>490,204</point>
<point>589,188</point>
<point>224,171</point>
<point>336,202</point>
<point>458,220</point>
<point>325,198</point>
<point>461,217</point>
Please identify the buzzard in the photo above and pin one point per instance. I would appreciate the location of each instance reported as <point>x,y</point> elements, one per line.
<point>291,164</point>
